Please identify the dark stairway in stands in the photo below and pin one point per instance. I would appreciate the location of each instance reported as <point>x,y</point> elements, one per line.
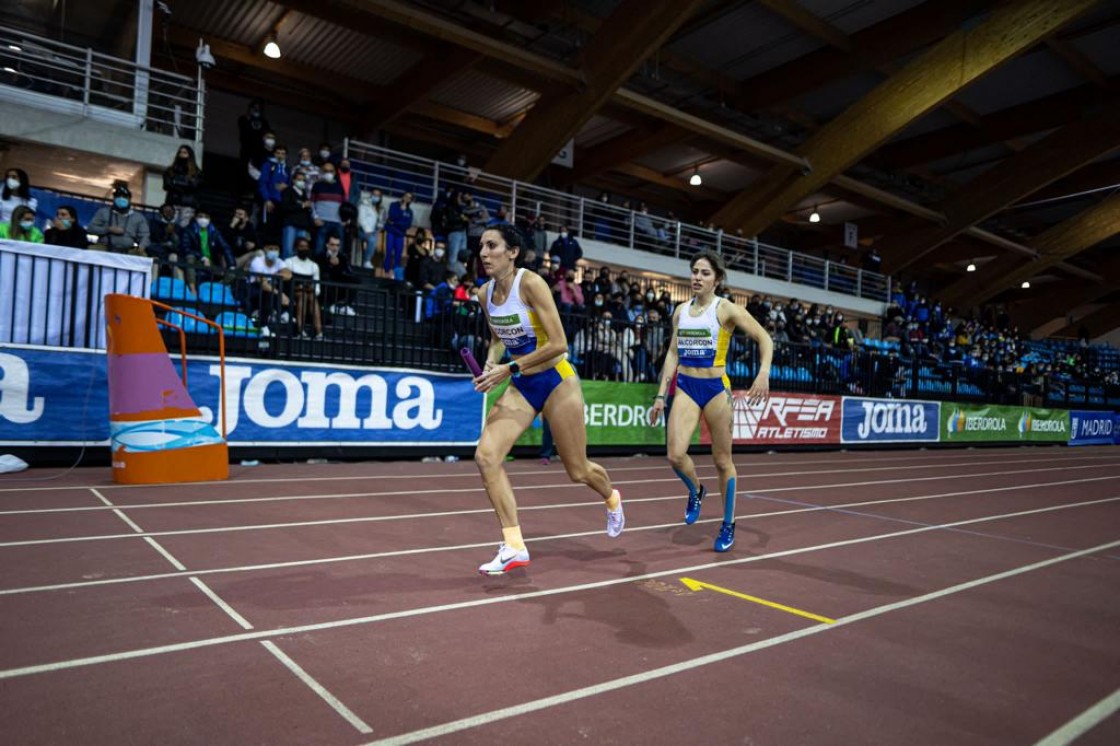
<point>384,330</point>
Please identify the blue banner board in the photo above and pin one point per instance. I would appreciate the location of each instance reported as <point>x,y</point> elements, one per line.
<point>61,397</point>
<point>1092,428</point>
<point>889,421</point>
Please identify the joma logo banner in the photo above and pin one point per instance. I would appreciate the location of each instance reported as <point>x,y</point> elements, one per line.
<point>61,396</point>
<point>890,420</point>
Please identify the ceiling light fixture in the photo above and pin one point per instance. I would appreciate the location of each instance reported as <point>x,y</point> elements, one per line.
<point>695,179</point>
<point>814,216</point>
<point>272,49</point>
<point>1026,285</point>
<point>971,267</point>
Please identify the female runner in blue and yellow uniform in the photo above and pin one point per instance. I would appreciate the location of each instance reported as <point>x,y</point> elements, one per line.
<point>524,320</point>
<point>697,355</point>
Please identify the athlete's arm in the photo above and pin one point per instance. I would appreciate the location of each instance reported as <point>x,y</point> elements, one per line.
<point>738,317</point>
<point>668,370</point>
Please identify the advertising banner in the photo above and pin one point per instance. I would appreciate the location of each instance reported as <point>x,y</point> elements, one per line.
<point>1092,428</point>
<point>890,421</point>
<point>967,423</point>
<point>61,397</point>
<point>790,419</point>
<point>614,413</point>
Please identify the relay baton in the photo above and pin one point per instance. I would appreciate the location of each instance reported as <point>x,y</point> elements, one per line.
<point>468,358</point>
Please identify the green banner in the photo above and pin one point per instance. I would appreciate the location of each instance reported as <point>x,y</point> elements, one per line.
<point>968,423</point>
<point>615,414</point>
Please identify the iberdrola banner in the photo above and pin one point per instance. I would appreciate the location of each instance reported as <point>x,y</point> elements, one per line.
<point>969,423</point>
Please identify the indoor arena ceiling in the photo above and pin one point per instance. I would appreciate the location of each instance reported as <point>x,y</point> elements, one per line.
<point>949,131</point>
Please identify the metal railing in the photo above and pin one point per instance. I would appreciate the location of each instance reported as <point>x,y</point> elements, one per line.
<point>48,74</point>
<point>395,173</point>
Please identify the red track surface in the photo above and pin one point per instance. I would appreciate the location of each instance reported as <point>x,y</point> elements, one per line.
<point>339,604</point>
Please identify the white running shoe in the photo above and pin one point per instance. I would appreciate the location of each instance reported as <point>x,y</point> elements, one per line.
<point>616,519</point>
<point>506,559</point>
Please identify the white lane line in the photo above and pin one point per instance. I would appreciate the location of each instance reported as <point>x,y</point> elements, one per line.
<point>554,506</point>
<point>221,603</point>
<point>109,506</point>
<point>318,688</point>
<point>570,485</point>
<point>934,457</point>
<point>426,610</point>
<point>166,554</point>
<point>139,531</point>
<point>631,528</point>
<point>1084,722</point>
<point>456,726</point>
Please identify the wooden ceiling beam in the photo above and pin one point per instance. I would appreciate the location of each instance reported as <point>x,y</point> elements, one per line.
<point>1064,240</point>
<point>920,86</point>
<point>633,31</point>
<point>1055,156</point>
<point>419,83</point>
<point>1098,323</point>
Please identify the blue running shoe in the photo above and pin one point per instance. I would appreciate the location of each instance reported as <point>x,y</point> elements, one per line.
<point>692,512</point>
<point>726,538</point>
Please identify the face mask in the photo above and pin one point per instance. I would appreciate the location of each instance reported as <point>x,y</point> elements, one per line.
<point>563,235</point>
<point>649,296</point>
<point>27,224</point>
<point>121,203</point>
<point>269,143</point>
<point>254,114</point>
<point>438,253</point>
<point>376,199</point>
<point>344,169</point>
<point>203,223</point>
<point>598,303</point>
<point>305,162</point>
<point>328,177</point>
<point>13,183</point>
<point>66,224</point>
<point>303,253</point>
<point>300,185</point>
<point>324,154</point>
<point>272,255</point>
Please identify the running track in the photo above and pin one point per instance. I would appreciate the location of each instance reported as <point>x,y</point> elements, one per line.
<point>972,597</point>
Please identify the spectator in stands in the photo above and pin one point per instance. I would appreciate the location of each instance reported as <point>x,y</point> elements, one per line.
<point>181,181</point>
<point>310,171</point>
<point>22,226</point>
<point>242,237</point>
<point>326,199</point>
<point>294,215</point>
<point>478,218</point>
<point>453,220</point>
<point>303,272</point>
<point>65,229</point>
<point>567,248</point>
<point>533,261</point>
<point>569,295</point>
<point>396,228</point>
<point>872,262</point>
<point>371,224</point>
<point>324,156</point>
<point>164,232</point>
<point>266,297</point>
<point>419,249</point>
<point>601,218</point>
<point>251,128</point>
<point>350,189</point>
<point>433,268</point>
<point>273,182</point>
<point>441,298</point>
<point>644,232</point>
<point>201,243</point>
<point>263,153</point>
<point>16,192</point>
<point>335,268</point>
<point>839,336</point>
<point>121,229</point>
